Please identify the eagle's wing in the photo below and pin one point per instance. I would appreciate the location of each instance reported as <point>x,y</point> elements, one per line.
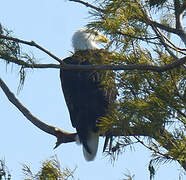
<point>86,96</point>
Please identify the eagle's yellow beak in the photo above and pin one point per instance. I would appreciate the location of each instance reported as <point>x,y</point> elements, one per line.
<point>101,38</point>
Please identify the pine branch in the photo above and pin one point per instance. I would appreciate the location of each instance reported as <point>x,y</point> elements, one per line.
<point>28,65</point>
<point>31,43</point>
<point>141,67</point>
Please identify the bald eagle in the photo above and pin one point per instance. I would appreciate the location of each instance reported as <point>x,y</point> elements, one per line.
<point>87,94</point>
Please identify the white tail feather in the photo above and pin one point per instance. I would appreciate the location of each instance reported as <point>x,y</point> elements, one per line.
<point>77,139</point>
<point>92,143</point>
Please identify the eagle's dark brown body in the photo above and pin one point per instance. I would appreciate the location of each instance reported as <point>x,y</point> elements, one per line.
<point>88,94</point>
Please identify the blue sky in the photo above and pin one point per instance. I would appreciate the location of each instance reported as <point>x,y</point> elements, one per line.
<point>52,24</point>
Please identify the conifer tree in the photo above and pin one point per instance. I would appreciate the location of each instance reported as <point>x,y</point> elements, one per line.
<point>148,43</point>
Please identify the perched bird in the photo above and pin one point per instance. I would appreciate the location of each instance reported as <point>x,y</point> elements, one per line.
<point>88,93</point>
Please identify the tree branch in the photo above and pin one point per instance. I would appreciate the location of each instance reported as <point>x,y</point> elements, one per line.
<point>30,43</point>
<point>62,136</point>
<point>29,65</point>
<point>178,15</point>
<point>88,5</point>
<point>162,40</point>
<point>183,7</point>
<point>164,27</point>
<point>66,137</point>
<point>142,67</point>
<point>179,31</point>
<point>179,10</point>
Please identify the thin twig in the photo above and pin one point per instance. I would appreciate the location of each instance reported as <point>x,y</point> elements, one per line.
<point>173,45</point>
<point>163,40</point>
<point>159,34</point>
<point>152,149</point>
<point>146,39</point>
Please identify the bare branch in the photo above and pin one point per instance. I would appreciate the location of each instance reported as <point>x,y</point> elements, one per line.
<point>172,45</point>
<point>162,40</point>
<point>178,14</point>
<point>183,7</point>
<point>179,10</point>
<point>179,31</point>
<point>164,27</point>
<point>62,136</point>
<point>31,43</point>
<point>88,5</point>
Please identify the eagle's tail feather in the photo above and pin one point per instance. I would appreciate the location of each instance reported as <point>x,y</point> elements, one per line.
<point>92,146</point>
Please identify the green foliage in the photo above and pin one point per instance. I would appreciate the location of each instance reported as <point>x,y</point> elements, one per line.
<point>11,53</point>
<point>122,20</point>
<point>8,48</point>
<point>50,170</point>
<point>149,104</point>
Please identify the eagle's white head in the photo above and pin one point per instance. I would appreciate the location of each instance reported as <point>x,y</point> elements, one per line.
<point>84,39</point>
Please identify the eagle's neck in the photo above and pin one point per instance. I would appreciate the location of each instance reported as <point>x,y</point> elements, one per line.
<point>83,43</point>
